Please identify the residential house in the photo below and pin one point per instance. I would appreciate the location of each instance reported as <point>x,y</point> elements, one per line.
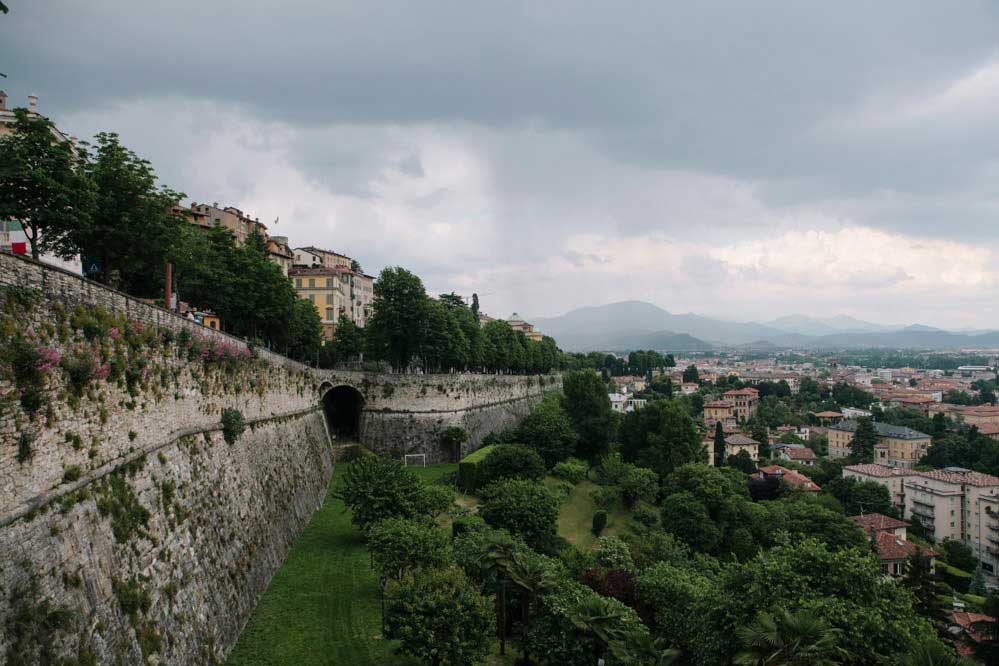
<point>956,503</point>
<point>892,478</point>
<point>737,443</point>
<point>791,477</point>
<point>358,288</point>
<point>689,388</point>
<point>799,454</point>
<point>745,402</point>
<point>279,252</point>
<point>324,288</point>
<point>970,628</point>
<point>240,225</point>
<point>623,403</point>
<point>719,410</point>
<point>889,537</point>
<point>896,445</point>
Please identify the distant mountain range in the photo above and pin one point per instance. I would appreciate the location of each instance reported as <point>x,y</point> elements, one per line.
<point>639,325</point>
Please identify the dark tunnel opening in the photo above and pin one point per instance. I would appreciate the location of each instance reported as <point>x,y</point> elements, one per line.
<point>342,406</point>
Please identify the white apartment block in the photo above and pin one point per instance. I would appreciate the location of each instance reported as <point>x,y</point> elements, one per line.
<point>956,503</point>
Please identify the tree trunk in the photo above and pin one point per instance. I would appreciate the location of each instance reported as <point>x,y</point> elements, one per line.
<point>502,618</point>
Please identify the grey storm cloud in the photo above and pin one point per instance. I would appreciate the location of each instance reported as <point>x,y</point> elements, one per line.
<point>711,122</point>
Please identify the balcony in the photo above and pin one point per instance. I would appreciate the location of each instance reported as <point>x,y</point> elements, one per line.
<point>925,503</point>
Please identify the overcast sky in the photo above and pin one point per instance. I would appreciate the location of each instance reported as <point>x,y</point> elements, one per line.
<point>742,160</point>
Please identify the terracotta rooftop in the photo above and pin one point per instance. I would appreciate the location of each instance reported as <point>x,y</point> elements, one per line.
<point>739,439</point>
<point>891,547</point>
<point>800,454</point>
<point>988,428</point>
<point>877,522</point>
<point>791,477</point>
<point>744,391</point>
<point>959,476</point>
<point>829,415</point>
<point>718,403</point>
<point>881,471</point>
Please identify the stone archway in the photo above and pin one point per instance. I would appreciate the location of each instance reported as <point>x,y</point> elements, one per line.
<point>342,406</point>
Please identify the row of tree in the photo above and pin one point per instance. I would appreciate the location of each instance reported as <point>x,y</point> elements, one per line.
<point>408,329</point>
<point>102,202</point>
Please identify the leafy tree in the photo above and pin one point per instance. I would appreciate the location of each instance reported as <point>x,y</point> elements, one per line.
<point>860,496</point>
<point>452,440</point>
<point>43,184</point>
<point>348,339</point>
<point>864,439</point>
<point>788,638</point>
<point>548,430</point>
<point>638,484</point>
<point>510,462</point>
<point>613,553</point>
<point>525,508</point>
<point>690,374</point>
<point>399,313</point>
<point>742,462</point>
<point>376,488</point>
<point>687,517</point>
<point>497,560</point>
<point>662,436</point>
<point>959,554</point>
<point>929,651</point>
<point>719,442</point>
<point>439,618</point>
<point>921,582</point>
<point>399,545</point>
<point>641,649</point>
<point>586,403</point>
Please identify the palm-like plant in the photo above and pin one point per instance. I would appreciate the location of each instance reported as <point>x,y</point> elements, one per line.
<point>497,560</point>
<point>789,638</point>
<point>641,649</point>
<point>600,619</point>
<point>533,578</point>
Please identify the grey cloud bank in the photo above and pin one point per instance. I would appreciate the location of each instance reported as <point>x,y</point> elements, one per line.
<point>746,161</point>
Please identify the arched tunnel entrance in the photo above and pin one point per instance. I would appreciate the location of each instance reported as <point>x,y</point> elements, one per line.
<point>342,407</point>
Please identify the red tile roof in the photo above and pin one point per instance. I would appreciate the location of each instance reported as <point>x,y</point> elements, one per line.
<point>880,471</point>
<point>877,522</point>
<point>791,477</point>
<point>829,415</point>
<point>718,403</point>
<point>972,625</point>
<point>800,454</point>
<point>745,391</point>
<point>965,477</point>
<point>739,439</point>
<point>891,547</point>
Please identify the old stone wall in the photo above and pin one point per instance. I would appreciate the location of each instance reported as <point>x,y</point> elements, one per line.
<point>130,530</point>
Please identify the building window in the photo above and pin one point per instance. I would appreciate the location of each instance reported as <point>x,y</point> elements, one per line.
<point>329,314</point>
<point>329,299</point>
<point>298,282</point>
<point>312,283</point>
<point>329,282</point>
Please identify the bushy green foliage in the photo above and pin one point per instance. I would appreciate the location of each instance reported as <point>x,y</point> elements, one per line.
<point>399,545</point>
<point>548,430</point>
<point>118,500</point>
<point>510,462</point>
<point>572,471</point>
<point>661,436</point>
<point>613,553</point>
<point>232,425</point>
<point>524,508</point>
<point>589,410</point>
<point>452,439</point>
<point>439,617</point>
<point>376,488</point>
<point>958,554</point>
<point>468,469</point>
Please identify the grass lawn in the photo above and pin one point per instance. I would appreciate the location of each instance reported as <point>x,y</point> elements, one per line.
<point>322,607</point>
<point>575,518</point>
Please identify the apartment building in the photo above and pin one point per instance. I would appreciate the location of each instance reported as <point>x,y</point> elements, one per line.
<point>896,445</point>
<point>517,323</point>
<point>324,288</point>
<point>745,402</point>
<point>956,503</point>
<point>719,410</point>
<point>358,289</point>
<point>279,252</point>
<point>239,224</point>
<point>892,478</point>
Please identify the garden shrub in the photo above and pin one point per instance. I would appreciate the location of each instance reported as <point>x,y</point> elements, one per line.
<point>465,524</point>
<point>524,508</point>
<point>510,462</point>
<point>639,484</point>
<point>606,497</point>
<point>613,553</point>
<point>599,521</point>
<point>572,471</point>
<point>232,425</point>
<point>646,514</point>
<point>468,469</point>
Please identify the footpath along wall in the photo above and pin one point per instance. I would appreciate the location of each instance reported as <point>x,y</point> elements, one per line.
<point>132,529</point>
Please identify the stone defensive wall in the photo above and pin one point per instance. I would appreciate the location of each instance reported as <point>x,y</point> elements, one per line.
<point>138,522</point>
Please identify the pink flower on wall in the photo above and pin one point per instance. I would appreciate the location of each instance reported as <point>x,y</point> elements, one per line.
<point>48,358</point>
<point>114,334</point>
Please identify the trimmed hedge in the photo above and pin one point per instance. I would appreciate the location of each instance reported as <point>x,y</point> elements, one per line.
<point>956,578</point>
<point>468,468</point>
